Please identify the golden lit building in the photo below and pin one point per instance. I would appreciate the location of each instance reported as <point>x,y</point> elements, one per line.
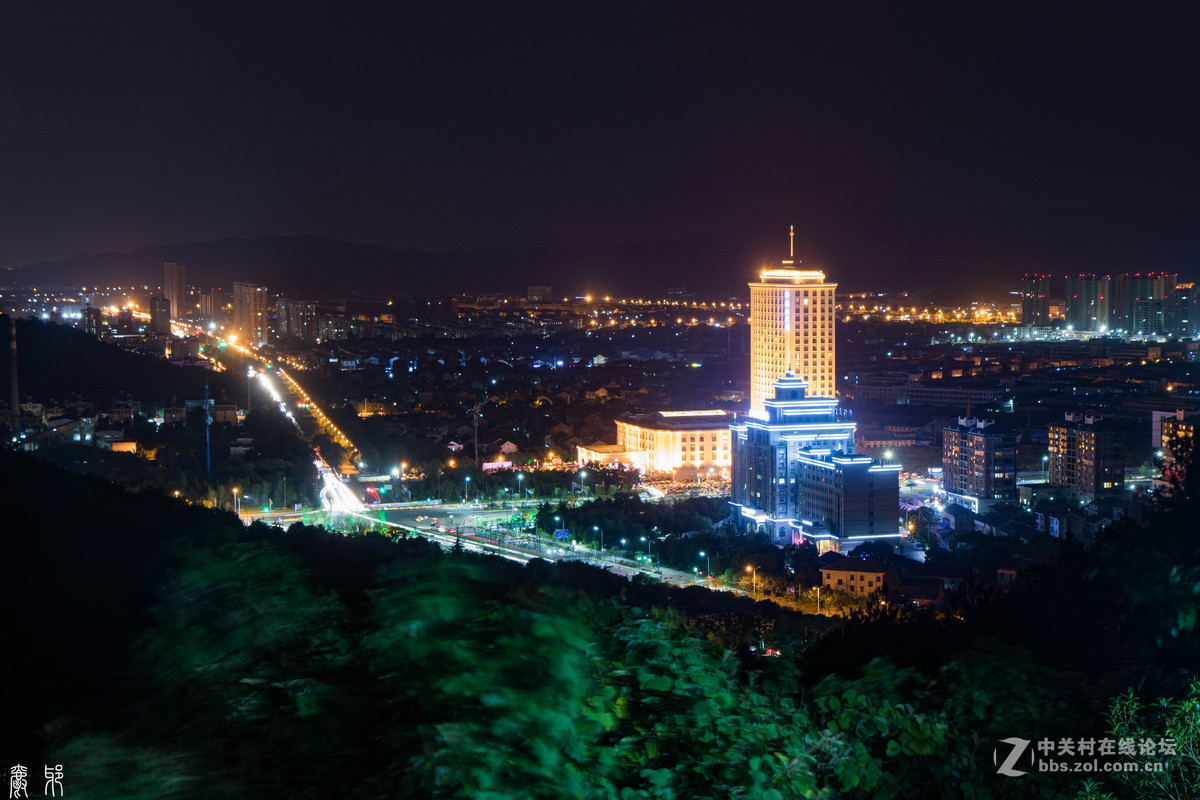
<point>791,328</point>
<point>856,576</point>
<point>693,442</point>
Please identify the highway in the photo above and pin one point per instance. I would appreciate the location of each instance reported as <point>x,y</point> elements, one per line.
<point>473,523</point>
<point>473,526</point>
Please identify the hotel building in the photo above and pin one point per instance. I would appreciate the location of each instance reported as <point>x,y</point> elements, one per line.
<point>794,472</point>
<point>791,328</point>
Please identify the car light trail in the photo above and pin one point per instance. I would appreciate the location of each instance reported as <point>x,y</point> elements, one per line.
<point>336,497</point>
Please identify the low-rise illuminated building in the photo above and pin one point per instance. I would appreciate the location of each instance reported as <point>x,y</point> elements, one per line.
<point>685,443</point>
<point>859,577</point>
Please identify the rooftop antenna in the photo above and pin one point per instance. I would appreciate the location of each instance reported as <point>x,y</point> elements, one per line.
<point>791,241</point>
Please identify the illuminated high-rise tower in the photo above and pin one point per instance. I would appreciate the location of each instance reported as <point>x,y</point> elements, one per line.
<point>175,287</point>
<point>791,328</point>
<point>250,312</point>
<point>794,474</point>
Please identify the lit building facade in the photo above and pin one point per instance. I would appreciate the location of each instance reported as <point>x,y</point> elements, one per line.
<point>791,329</point>
<point>1129,303</point>
<point>979,462</point>
<point>1087,457</point>
<point>175,287</point>
<point>297,319</point>
<point>1089,302</point>
<point>160,314</point>
<point>250,312</point>
<point>1139,301</point>
<point>1180,318</point>
<point>795,474</point>
<point>1176,441</point>
<point>1035,300</point>
<point>846,497</point>
<point>1178,427</point>
<point>678,440</point>
<point>93,321</point>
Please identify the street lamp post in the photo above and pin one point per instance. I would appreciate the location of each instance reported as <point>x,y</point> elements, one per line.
<point>520,477</point>
<point>237,505</point>
<point>599,530</point>
<point>467,488</point>
<point>650,547</point>
<point>707,564</point>
<point>753,580</point>
<point>1045,460</point>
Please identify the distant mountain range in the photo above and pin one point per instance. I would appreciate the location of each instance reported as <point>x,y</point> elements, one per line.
<point>951,254</point>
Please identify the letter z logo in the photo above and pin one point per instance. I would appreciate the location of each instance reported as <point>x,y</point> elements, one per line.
<point>1018,748</point>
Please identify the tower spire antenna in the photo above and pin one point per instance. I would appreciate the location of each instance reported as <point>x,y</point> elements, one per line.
<point>791,241</point>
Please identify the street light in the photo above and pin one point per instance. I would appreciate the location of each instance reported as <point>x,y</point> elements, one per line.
<point>599,530</point>
<point>707,564</point>
<point>753,580</point>
<point>520,477</point>
<point>467,488</point>
<point>887,456</point>
<point>1044,460</point>
<point>237,506</point>
<point>650,547</point>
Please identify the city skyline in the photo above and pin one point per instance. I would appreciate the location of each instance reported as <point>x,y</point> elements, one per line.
<point>423,400</point>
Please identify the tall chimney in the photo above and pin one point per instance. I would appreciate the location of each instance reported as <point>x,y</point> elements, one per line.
<point>14,401</point>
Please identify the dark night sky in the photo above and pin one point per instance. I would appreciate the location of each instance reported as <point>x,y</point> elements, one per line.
<point>438,124</point>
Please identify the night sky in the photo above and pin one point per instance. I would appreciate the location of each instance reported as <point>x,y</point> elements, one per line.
<point>518,125</point>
